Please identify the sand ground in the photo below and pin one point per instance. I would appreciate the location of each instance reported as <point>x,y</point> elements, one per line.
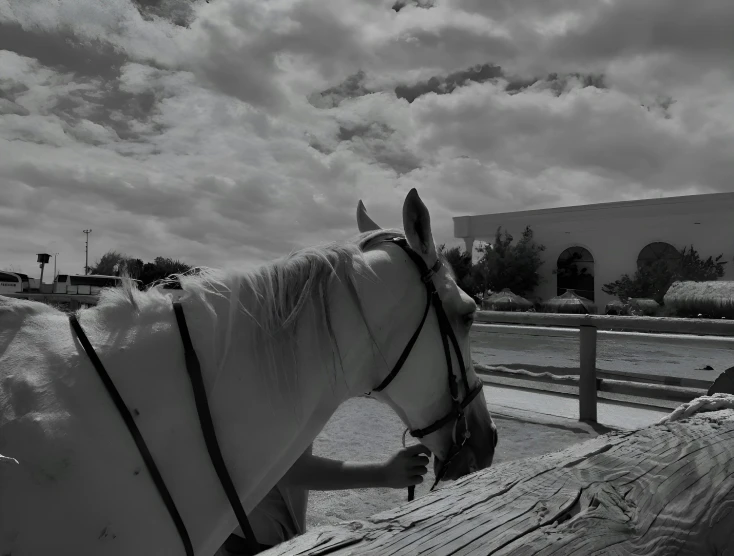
<point>364,430</point>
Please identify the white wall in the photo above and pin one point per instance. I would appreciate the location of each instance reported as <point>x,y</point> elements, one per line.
<point>616,235</point>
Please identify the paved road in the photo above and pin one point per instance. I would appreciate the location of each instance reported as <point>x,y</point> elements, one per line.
<point>667,355</point>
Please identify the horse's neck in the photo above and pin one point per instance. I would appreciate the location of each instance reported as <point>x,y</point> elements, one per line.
<point>260,431</point>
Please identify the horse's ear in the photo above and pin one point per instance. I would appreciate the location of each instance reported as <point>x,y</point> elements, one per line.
<point>364,222</point>
<point>417,226</point>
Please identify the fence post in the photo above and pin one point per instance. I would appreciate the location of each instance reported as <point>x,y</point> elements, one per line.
<point>587,379</point>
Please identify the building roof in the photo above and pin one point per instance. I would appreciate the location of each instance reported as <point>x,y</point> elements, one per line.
<point>714,198</point>
<point>467,226</point>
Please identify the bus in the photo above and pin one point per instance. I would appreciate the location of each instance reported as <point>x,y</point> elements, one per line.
<point>90,284</point>
<point>12,282</point>
<point>25,281</point>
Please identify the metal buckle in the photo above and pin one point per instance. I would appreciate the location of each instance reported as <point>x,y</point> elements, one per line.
<point>428,276</point>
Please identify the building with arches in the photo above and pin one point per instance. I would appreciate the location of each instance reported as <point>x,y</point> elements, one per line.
<point>592,245</point>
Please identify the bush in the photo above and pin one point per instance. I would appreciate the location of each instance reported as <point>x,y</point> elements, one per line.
<point>653,280</point>
<point>461,263</point>
<point>504,265</point>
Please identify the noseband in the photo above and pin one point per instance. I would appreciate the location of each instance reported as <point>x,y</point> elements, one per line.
<point>456,414</point>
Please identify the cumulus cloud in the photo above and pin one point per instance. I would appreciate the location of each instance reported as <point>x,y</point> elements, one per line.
<point>235,131</point>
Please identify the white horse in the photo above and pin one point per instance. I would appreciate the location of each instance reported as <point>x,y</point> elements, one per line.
<point>280,348</point>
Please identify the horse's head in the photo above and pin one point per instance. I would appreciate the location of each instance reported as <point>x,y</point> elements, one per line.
<point>442,404</point>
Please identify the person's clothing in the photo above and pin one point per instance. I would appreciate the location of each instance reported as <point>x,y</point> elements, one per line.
<point>236,546</point>
<point>279,517</point>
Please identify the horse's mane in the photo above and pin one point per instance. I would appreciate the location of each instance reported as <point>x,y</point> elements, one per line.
<point>272,300</point>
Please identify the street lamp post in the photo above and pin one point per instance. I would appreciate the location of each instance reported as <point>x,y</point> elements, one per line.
<point>55,255</point>
<point>86,252</point>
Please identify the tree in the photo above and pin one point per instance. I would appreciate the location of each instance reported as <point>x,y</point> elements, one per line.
<point>504,265</point>
<point>653,279</point>
<point>160,268</point>
<point>694,269</point>
<point>461,263</point>
<point>113,263</point>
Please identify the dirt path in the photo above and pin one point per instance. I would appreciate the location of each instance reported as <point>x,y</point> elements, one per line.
<point>364,430</point>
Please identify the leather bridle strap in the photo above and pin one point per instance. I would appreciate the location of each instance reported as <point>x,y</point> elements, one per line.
<point>406,352</point>
<point>207,428</point>
<point>455,413</point>
<point>426,276</point>
<point>135,433</point>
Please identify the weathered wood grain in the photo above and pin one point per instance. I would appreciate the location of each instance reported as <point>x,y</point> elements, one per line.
<point>665,489</point>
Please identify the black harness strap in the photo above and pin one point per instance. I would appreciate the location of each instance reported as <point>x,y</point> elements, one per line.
<point>135,433</point>
<point>207,428</point>
<point>454,414</point>
<point>426,276</point>
<point>406,351</point>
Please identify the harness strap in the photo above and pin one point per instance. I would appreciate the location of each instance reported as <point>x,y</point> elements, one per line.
<point>207,428</point>
<point>426,276</point>
<point>454,414</point>
<point>408,348</point>
<point>135,433</point>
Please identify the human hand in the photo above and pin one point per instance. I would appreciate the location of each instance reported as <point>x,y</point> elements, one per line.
<point>406,468</point>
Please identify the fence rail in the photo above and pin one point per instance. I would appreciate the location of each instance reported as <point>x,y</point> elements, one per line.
<point>74,301</point>
<point>656,391</point>
<point>590,382</point>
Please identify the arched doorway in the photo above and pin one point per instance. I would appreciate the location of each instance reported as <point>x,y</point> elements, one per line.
<point>575,271</point>
<point>658,251</point>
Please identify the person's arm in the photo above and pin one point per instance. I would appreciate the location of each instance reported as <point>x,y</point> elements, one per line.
<point>404,469</point>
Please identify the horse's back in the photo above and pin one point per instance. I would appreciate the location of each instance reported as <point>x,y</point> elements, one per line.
<point>57,422</point>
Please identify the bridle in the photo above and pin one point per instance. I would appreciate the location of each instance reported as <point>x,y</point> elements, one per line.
<point>207,426</point>
<point>456,413</point>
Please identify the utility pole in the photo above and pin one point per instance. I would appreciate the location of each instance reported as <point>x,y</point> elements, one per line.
<point>86,252</point>
<point>55,255</point>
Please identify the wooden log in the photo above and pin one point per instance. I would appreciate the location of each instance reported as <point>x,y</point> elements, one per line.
<point>664,489</point>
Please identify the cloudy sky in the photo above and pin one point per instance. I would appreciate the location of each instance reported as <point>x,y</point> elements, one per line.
<point>231,132</point>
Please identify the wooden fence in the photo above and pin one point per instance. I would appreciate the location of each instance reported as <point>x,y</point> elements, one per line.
<point>590,382</point>
<point>74,301</point>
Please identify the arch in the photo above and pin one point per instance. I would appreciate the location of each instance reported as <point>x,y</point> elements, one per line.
<point>658,251</point>
<point>575,271</point>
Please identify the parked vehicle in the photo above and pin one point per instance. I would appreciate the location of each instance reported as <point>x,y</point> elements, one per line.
<point>90,284</point>
<point>12,282</point>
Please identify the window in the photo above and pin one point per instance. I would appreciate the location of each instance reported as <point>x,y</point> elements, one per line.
<point>658,251</point>
<point>10,283</point>
<point>575,271</point>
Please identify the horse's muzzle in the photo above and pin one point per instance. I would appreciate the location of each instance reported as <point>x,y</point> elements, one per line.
<point>477,453</point>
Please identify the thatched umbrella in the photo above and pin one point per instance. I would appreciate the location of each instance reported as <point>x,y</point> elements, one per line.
<point>506,301</point>
<point>569,302</point>
<point>616,307</point>
<point>648,307</point>
<point>713,298</point>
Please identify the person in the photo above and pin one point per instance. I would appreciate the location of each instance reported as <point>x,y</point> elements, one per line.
<point>281,515</point>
